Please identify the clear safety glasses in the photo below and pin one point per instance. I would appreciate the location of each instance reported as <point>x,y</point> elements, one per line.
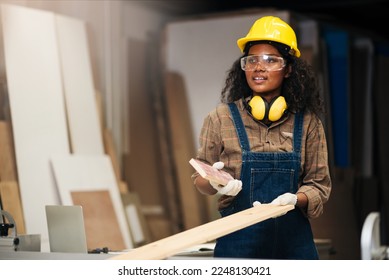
<point>264,62</point>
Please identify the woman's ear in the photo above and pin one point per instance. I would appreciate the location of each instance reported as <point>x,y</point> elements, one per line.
<point>288,71</point>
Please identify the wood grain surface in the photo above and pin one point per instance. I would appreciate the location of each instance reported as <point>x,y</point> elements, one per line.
<point>204,233</point>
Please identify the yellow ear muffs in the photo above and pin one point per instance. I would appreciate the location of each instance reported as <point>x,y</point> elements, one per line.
<point>277,108</point>
<point>273,111</point>
<point>258,107</point>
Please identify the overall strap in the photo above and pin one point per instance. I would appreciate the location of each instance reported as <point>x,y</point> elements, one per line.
<point>298,132</point>
<point>239,126</point>
<point>297,139</point>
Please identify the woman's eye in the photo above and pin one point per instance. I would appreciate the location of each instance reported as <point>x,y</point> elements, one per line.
<point>252,60</point>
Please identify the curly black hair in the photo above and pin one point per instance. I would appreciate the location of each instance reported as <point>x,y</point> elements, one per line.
<point>300,89</point>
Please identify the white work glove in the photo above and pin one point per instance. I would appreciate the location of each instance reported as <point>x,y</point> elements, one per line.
<point>285,199</point>
<point>256,203</point>
<point>232,188</point>
<point>274,202</point>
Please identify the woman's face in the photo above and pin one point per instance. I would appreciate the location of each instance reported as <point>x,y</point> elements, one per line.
<point>264,83</point>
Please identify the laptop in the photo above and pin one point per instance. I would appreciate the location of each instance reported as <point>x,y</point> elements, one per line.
<point>66,228</point>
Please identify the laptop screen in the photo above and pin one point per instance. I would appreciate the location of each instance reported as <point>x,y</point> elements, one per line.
<point>66,229</point>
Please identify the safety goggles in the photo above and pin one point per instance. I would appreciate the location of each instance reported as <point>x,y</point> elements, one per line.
<point>265,62</point>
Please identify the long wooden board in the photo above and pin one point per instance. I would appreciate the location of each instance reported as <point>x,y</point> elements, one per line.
<point>192,203</point>
<point>201,234</point>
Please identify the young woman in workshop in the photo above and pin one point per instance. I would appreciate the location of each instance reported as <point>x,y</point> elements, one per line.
<point>267,133</point>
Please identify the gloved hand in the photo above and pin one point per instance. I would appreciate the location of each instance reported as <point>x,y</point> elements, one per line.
<point>285,199</point>
<point>232,188</point>
<point>256,203</point>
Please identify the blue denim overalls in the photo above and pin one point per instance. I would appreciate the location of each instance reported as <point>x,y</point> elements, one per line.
<point>265,176</point>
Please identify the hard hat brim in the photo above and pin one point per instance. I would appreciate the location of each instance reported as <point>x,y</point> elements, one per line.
<point>243,41</point>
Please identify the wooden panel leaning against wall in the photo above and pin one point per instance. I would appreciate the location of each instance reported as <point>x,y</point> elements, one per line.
<point>9,188</point>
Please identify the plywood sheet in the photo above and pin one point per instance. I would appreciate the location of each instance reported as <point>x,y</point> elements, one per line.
<point>8,170</point>
<point>10,202</point>
<point>84,123</point>
<point>143,135</point>
<point>37,108</point>
<point>183,148</point>
<point>110,150</point>
<point>101,225</point>
<point>202,234</point>
<point>166,165</point>
<point>77,173</point>
<point>144,156</point>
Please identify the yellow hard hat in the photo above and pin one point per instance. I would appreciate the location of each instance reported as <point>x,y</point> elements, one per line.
<point>270,28</point>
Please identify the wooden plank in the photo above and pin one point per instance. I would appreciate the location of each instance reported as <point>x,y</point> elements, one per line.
<point>5,112</point>
<point>166,163</point>
<point>10,202</point>
<point>7,153</point>
<point>144,136</point>
<point>110,150</point>
<point>142,158</point>
<point>204,233</point>
<point>193,204</point>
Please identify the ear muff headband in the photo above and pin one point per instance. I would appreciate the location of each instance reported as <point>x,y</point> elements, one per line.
<point>260,109</point>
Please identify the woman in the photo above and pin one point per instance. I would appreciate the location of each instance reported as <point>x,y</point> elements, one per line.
<point>267,132</point>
